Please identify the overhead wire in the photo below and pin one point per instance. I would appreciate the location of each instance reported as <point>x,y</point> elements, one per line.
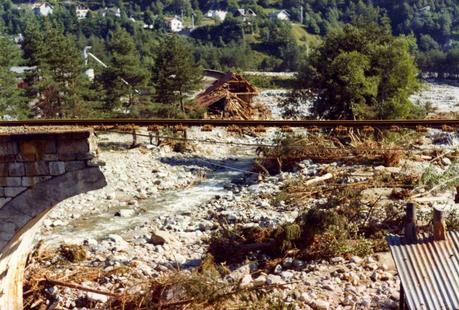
<point>230,142</point>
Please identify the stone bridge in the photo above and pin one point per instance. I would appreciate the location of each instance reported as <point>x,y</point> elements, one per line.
<point>37,171</point>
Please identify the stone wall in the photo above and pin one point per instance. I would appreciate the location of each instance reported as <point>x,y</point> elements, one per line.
<point>28,159</point>
<point>37,171</point>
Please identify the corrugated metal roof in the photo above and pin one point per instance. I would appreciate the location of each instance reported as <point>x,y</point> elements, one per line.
<point>428,270</point>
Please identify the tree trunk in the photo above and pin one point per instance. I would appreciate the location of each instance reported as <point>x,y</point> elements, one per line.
<point>182,107</point>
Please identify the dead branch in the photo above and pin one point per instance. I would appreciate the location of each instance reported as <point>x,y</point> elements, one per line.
<point>79,287</point>
<point>319,179</point>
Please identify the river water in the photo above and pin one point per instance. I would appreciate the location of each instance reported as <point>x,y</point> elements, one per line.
<point>167,203</point>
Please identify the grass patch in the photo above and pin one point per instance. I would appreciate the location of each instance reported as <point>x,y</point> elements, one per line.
<point>303,38</point>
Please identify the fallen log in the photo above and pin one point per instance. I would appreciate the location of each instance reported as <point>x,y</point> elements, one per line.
<point>324,177</point>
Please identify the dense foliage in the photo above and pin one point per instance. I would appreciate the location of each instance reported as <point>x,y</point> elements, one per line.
<point>126,36</point>
<point>12,100</point>
<point>360,72</point>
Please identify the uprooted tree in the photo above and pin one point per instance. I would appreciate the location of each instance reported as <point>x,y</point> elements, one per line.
<point>360,72</point>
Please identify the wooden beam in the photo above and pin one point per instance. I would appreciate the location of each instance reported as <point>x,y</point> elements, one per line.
<point>439,225</point>
<point>410,223</point>
<point>402,303</point>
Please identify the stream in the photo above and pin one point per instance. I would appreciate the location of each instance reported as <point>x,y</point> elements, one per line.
<point>167,203</point>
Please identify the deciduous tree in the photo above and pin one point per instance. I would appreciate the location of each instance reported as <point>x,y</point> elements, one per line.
<point>361,71</point>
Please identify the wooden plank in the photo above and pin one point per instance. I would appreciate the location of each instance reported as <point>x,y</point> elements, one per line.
<point>410,223</point>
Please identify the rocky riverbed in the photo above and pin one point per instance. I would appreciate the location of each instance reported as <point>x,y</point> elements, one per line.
<point>160,209</point>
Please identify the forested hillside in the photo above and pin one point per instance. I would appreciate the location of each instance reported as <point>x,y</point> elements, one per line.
<point>129,36</point>
<point>434,23</point>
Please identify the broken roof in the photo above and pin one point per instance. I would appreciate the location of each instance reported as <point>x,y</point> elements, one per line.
<point>222,87</point>
<point>233,93</point>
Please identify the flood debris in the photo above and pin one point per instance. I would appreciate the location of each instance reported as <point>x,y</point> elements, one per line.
<point>308,235</point>
<point>293,149</point>
<point>232,97</point>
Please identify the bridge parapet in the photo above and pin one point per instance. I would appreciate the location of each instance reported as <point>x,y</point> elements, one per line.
<point>28,159</point>
<point>37,171</point>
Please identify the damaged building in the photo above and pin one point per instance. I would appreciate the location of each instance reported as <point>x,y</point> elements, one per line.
<point>232,96</point>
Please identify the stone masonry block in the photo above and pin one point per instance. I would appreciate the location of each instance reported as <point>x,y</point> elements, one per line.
<point>14,191</point>
<point>86,156</point>
<point>3,170</point>
<point>56,167</point>
<point>7,158</point>
<point>73,146</point>
<point>37,168</point>
<point>26,157</point>
<point>41,179</point>
<point>37,147</point>
<point>6,236</point>
<point>3,201</point>
<point>68,157</point>
<point>8,148</point>
<point>16,169</point>
<point>28,181</point>
<point>74,165</point>
<point>2,192</point>
<point>50,157</point>
<point>10,181</point>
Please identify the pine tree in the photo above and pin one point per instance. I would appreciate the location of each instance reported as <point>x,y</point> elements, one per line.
<point>33,42</point>
<point>175,73</point>
<point>13,104</point>
<point>125,80</point>
<point>61,82</point>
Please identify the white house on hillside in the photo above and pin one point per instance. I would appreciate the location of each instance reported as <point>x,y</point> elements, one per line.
<point>42,9</point>
<point>217,14</point>
<point>175,24</point>
<point>111,11</point>
<point>244,13</point>
<point>280,15</point>
<point>81,12</point>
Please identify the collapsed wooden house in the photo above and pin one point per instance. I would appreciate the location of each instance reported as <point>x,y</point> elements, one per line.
<point>231,96</point>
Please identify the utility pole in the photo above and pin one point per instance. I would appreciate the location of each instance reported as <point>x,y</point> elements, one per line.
<point>86,56</point>
<point>192,20</point>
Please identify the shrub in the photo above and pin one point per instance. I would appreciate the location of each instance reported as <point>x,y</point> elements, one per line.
<point>433,177</point>
<point>180,147</point>
<point>286,238</point>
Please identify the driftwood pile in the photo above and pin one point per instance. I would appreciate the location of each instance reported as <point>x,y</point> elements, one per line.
<point>322,149</point>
